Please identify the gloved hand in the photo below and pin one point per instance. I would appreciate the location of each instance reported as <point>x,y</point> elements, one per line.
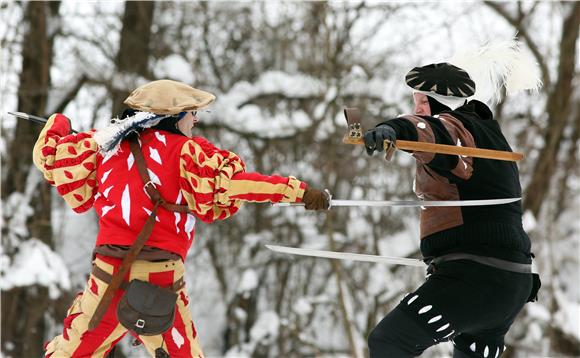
<point>375,137</point>
<point>315,199</point>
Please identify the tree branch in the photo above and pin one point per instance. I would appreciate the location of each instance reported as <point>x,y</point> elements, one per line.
<point>570,164</point>
<point>211,57</point>
<point>70,95</point>
<point>500,10</point>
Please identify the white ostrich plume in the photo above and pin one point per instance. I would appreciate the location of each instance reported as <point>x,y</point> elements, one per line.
<point>499,64</point>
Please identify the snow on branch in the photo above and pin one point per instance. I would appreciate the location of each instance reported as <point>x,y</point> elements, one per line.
<point>240,106</point>
<point>34,264</point>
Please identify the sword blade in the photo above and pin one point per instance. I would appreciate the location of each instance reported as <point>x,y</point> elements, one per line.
<point>33,118</point>
<point>346,256</point>
<point>29,117</point>
<point>412,203</point>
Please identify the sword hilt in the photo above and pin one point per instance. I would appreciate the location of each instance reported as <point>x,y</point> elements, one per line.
<point>326,192</point>
<point>329,198</point>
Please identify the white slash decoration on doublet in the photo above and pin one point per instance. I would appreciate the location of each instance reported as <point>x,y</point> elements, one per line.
<point>106,209</point>
<point>154,154</point>
<point>107,157</point>
<point>106,191</point>
<point>177,214</point>
<point>154,178</point>
<point>189,225</point>
<point>130,161</point>
<point>126,205</point>
<point>105,176</point>
<point>160,137</point>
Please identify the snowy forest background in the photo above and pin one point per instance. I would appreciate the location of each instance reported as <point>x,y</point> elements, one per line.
<point>282,72</point>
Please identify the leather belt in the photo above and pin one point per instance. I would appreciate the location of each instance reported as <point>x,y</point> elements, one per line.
<point>107,277</point>
<point>485,260</point>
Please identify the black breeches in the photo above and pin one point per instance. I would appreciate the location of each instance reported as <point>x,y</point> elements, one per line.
<point>466,302</point>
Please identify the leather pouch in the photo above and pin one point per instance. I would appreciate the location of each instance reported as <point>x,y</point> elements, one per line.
<point>147,309</point>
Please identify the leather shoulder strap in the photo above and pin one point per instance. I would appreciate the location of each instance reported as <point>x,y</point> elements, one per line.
<point>149,186</point>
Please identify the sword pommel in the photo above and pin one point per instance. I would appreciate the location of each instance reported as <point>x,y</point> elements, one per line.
<point>354,133</point>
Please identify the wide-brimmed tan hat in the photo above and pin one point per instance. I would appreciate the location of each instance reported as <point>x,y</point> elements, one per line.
<point>168,97</point>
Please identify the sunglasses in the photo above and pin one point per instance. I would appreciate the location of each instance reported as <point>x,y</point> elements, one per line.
<point>183,114</point>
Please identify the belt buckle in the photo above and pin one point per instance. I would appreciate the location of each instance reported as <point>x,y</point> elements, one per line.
<point>140,323</point>
<point>432,267</point>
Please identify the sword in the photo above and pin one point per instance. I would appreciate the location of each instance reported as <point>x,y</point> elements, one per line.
<point>32,118</point>
<point>346,256</point>
<point>411,203</point>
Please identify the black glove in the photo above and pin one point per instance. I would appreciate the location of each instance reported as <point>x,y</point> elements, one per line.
<point>375,137</point>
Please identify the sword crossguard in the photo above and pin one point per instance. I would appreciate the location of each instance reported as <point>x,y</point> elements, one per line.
<point>329,198</point>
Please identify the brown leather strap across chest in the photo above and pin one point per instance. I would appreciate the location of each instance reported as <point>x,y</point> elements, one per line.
<point>149,186</point>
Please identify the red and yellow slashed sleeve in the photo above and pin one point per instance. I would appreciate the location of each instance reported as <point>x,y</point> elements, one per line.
<point>68,162</point>
<point>214,182</point>
<point>257,187</point>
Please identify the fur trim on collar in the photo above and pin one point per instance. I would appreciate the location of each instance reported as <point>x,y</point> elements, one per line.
<point>109,138</point>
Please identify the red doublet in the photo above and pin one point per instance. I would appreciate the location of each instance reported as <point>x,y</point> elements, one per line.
<point>123,205</point>
<point>211,181</point>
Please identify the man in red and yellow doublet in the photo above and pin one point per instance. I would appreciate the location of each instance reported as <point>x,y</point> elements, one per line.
<point>186,170</point>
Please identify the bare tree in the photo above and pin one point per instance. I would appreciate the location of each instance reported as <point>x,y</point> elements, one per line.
<point>133,56</point>
<point>559,110</point>
<point>560,94</point>
<point>24,308</point>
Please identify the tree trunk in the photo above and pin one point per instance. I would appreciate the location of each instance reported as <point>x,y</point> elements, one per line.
<point>344,310</point>
<point>133,56</point>
<point>32,98</point>
<point>559,114</point>
<point>24,308</point>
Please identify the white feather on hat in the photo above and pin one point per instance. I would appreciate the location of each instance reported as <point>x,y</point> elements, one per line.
<point>109,138</point>
<point>499,64</point>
